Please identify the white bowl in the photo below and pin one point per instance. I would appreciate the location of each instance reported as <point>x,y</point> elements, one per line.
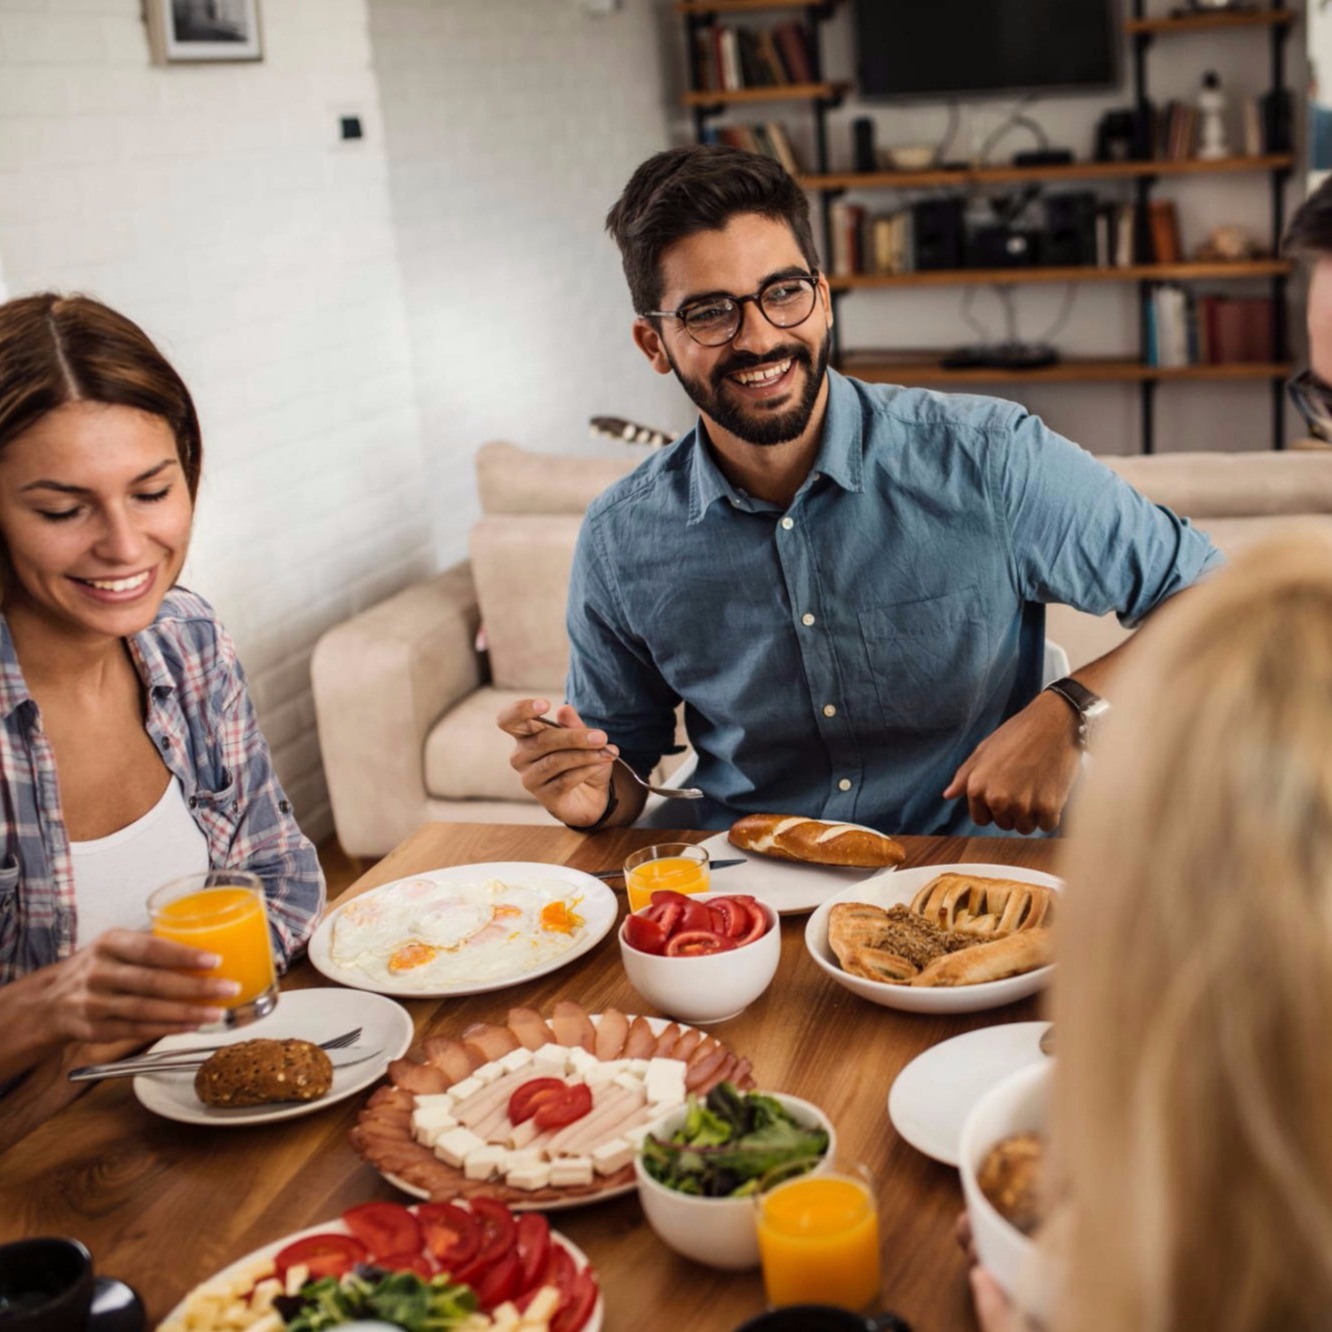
<point>1019,1104</point>
<point>912,156</point>
<point>710,988</point>
<point>888,890</point>
<point>718,1232</point>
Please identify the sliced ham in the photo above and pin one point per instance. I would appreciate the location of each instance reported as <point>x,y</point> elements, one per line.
<point>593,1132</point>
<point>478,1106</point>
<point>419,1079</point>
<point>611,1032</point>
<point>610,1106</point>
<point>449,1057</point>
<point>573,1026</point>
<point>488,1041</point>
<point>530,1028</point>
<point>640,1042</point>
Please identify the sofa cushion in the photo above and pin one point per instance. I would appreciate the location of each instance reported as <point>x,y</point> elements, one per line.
<point>1231,485</point>
<point>513,480</point>
<point>467,756</point>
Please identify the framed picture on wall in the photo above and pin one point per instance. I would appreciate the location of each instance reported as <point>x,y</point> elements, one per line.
<point>185,30</point>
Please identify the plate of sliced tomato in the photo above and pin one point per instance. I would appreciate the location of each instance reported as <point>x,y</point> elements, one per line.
<point>505,1258</point>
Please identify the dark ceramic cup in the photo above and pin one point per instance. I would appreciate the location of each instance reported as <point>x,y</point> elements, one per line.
<point>818,1318</point>
<point>46,1285</point>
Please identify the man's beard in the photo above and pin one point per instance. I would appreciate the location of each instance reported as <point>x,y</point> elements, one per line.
<point>757,426</point>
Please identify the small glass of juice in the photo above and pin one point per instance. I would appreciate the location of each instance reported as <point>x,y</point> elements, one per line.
<point>223,912</point>
<point>819,1240</point>
<point>678,866</point>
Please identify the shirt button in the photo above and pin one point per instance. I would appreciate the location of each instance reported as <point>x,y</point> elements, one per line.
<point>807,619</point>
<point>194,802</point>
<point>830,711</point>
<point>844,784</point>
<point>284,806</point>
<point>788,523</point>
<point>165,742</point>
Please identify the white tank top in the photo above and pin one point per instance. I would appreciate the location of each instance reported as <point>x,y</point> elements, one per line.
<point>114,875</point>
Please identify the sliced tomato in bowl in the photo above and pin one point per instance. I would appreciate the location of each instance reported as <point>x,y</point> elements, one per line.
<point>730,916</point>
<point>384,1228</point>
<point>645,934</point>
<point>698,943</point>
<point>322,1255</point>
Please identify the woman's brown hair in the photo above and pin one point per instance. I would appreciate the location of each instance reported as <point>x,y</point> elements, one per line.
<point>59,349</point>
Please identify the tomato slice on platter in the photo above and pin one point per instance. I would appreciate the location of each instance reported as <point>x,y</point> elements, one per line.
<point>730,916</point>
<point>452,1236</point>
<point>408,1262</point>
<point>698,943</point>
<point>533,1248</point>
<point>644,934</point>
<point>499,1230</point>
<point>500,1282</point>
<point>574,1311</point>
<point>531,1096</point>
<point>324,1255</point>
<point>384,1228</point>
<point>573,1103</point>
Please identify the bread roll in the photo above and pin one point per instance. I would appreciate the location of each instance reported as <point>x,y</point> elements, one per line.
<point>1010,956</point>
<point>815,841</point>
<point>985,908</point>
<point>259,1072</point>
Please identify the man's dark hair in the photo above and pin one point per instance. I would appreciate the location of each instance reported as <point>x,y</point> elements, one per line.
<point>1309,235</point>
<point>682,191</point>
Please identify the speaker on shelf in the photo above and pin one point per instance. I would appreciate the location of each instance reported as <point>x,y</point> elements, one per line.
<point>1070,229</point>
<point>862,144</point>
<point>937,227</point>
<point>1003,247</point>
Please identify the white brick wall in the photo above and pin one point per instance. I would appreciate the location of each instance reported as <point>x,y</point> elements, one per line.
<point>215,205</point>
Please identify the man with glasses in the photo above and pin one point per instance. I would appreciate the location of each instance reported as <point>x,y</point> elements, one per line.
<point>1309,236</point>
<point>845,583</point>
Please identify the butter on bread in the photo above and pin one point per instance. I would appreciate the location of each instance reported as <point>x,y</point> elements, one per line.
<point>986,908</point>
<point>815,841</point>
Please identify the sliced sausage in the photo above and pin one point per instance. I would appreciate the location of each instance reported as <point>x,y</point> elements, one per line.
<point>573,1026</point>
<point>612,1029</point>
<point>530,1028</point>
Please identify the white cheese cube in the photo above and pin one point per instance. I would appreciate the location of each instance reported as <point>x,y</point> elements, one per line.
<point>467,1087</point>
<point>611,1156</point>
<point>639,1066</point>
<point>457,1145</point>
<point>435,1100</point>
<point>484,1162</point>
<point>581,1060</point>
<point>571,1170</point>
<point>665,1080</point>
<point>552,1058</point>
<point>629,1081</point>
<point>601,1075</point>
<point>488,1073</point>
<point>430,1125</point>
<point>530,1175</point>
<point>514,1060</point>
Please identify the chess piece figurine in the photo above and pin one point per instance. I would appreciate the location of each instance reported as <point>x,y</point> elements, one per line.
<point>1212,142</point>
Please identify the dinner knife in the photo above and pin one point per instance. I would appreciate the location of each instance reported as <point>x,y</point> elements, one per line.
<point>128,1069</point>
<point>619,873</point>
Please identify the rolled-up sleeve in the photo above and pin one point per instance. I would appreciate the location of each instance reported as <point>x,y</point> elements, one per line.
<point>1082,536</point>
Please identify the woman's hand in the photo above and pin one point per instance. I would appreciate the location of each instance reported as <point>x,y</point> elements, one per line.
<point>994,1310</point>
<point>129,985</point>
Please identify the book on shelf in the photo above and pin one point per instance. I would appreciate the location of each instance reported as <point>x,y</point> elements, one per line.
<point>706,74</point>
<point>1163,220</point>
<point>797,51</point>
<point>770,139</point>
<point>1252,117</point>
<point>1125,247</point>
<point>1184,328</point>
<point>730,58</point>
<point>890,247</point>
<point>846,223</point>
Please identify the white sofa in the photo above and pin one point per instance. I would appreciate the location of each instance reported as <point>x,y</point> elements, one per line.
<point>406,703</point>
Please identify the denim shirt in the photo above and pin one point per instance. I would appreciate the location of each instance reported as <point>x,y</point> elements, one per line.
<point>840,658</point>
<point>200,716</point>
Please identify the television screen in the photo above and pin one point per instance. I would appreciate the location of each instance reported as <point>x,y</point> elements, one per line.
<point>940,48</point>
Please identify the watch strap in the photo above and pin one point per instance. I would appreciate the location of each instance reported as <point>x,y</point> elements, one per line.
<point>1086,705</point>
<point>612,801</point>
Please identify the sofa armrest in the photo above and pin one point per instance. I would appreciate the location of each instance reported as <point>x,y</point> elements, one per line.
<point>381,681</point>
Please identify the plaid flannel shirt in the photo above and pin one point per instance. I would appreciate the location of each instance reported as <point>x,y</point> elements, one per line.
<point>200,716</point>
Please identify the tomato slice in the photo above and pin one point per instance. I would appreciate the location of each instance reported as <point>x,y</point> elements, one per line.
<point>531,1096</point>
<point>758,925</point>
<point>384,1227</point>
<point>408,1262</point>
<point>574,1312</point>
<point>560,1271</point>
<point>499,1231</point>
<point>452,1236</point>
<point>533,1248</point>
<point>698,943</point>
<point>694,915</point>
<point>500,1282</point>
<point>324,1255</point>
<point>729,916</point>
<point>644,934</point>
<point>664,896</point>
<point>573,1103</point>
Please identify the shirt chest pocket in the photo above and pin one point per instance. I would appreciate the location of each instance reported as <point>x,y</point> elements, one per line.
<point>9,881</point>
<point>927,659</point>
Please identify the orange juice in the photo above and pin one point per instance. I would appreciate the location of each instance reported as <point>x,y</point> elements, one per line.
<point>819,1241</point>
<point>686,872</point>
<point>231,922</point>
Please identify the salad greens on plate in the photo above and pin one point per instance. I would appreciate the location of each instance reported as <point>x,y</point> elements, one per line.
<point>729,1142</point>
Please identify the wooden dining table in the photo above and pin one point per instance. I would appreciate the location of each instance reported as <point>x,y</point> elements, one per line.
<point>164,1205</point>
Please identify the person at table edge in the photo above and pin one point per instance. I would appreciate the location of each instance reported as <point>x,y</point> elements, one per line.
<point>129,749</point>
<point>844,582</point>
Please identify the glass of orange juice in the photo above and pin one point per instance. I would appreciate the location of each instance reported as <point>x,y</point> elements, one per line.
<point>819,1240</point>
<point>678,866</point>
<point>223,912</point>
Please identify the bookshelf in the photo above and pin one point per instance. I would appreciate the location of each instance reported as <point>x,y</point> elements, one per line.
<point>1273,22</point>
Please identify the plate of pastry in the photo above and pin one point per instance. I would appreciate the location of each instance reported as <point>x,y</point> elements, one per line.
<point>939,938</point>
<point>795,863</point>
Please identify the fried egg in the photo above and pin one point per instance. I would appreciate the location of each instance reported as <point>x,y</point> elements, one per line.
<point>444,934</point>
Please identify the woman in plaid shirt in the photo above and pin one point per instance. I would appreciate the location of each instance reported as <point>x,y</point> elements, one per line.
<point>129,749</point>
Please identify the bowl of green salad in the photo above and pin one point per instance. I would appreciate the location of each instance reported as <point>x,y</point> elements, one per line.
<point>700,1166</point>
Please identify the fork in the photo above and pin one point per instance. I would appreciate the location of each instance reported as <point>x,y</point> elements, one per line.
<point>152,1060</point>
<point>670,792</point>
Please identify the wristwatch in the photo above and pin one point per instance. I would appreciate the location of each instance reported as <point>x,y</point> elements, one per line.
<point>1087,707</point>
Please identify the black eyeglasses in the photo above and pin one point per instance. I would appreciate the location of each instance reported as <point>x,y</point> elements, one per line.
<point>1314,400</point>
<point>785,301</point>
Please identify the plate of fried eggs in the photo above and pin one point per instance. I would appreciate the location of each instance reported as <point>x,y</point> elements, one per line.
<point>463,930</point>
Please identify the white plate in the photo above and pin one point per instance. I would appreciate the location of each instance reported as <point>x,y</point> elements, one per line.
<point>932,1096</point>
<point>338,1227</point>
<point>790,887</point>
<point>901,887</point>
<point>310,1015</point>
<point>597,908</point>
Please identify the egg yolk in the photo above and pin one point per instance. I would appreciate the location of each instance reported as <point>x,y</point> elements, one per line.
<point>414,955</point>
<point>556,916</point>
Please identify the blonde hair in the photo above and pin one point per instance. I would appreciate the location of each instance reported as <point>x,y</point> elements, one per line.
<point>1193,1088</point>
